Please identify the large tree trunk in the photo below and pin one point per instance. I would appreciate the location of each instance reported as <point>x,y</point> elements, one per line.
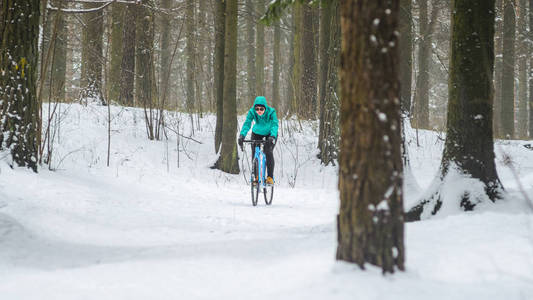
<point>467,164</point>
<point>260,52</point>
<point>370,220</point>
<point>330,120</point>
<point>307,104</point>
<point>250,49</point>
<point>521,130</point>
<point>507,99</point>
<point>145,64</point>
<point>92,59</point>
<point>406,54</point>
<point>220,25</point>
<point>498,67</point>
<point>531,70</point>
<point>19,113</point>
<point>276,69</point>
<point>127,72</point>
<point>228,159</point>
<point>117,28</point>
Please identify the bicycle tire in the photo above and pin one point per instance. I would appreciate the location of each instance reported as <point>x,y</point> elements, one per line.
<point>268,194</point>
<point>254,189</point>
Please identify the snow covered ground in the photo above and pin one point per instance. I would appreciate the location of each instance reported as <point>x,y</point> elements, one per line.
<point>144,228</point>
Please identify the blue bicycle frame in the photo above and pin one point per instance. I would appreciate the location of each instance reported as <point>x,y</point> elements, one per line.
<point>261,162</point>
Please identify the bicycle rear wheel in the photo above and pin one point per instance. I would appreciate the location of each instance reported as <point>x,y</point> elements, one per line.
<point>254,188</point>
<point>269,194</point>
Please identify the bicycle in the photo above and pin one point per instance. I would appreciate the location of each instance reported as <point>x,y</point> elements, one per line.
<point>259,168</point>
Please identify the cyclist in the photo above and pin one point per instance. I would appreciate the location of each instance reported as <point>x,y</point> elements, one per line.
<point>266,126</point>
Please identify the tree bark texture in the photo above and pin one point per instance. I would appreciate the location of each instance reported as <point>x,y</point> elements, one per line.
<point>164,44</point>
<point>220,25</point>
<point>19,113</point>
<point>370,220</point>
<point>127,69</point>
<point>531,70</point>
<point>144,62</point>
<point>260,52</point>
<point>228,159</point>
<point>117,28</point>
<point>329,147</point>
<point>325,31</point>
<point>308,101</point>
<point>508,68</point>
<point>190,49</point>
<point>522,126</point>
<point>406,54</point>
<point>92,59</point>
<point>276,68</point>
<point>59,58</point>
<point>250,49</point>
<point>296,57</point>
<point>498,67</point>
<point>469,146</point>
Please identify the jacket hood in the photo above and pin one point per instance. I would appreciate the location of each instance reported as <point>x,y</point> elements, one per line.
<point>260,100</point>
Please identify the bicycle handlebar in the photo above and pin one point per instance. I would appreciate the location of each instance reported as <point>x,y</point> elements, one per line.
<point>255,141</point>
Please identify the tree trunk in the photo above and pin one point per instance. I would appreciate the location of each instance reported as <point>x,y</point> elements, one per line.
<point>297,63</point>
<point>92,59</point>
<point>220,25</point>
<point>127,72</point>
<point>260,52</point>
<point>325,30</point>
<point>498,67</point>
<point>330,120</point>
<point>144,63</point>
<point>164,75</point>
<point>531,70</point>
<point>276,70</point>
<point>250,49</point>
<point>228,159</point>
<point>422,82</point>
<point>521,130</point>
<point>469,148</point>
<point>190,49</point>
<point>19,113</point>
<point>117,28</point>
<point>406,52</point>
<point>307,106</point>
<point>507,99</point>
<point>59,60</point>
<point>370,220</point>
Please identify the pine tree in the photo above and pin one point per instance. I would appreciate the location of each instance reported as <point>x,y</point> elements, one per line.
<point>406,51</point>
<point>92,59</point>
<point>117,28</point>
<point>127,69</point>
<point>220,32</point>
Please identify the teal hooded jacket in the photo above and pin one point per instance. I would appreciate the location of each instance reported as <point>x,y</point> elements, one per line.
<point>267,124</point>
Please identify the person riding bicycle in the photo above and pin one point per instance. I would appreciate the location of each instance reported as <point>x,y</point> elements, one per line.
<point>266,126</point>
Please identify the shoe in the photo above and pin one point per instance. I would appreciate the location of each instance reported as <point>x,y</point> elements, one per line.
<point>269,180</point>
<point>255,180</point>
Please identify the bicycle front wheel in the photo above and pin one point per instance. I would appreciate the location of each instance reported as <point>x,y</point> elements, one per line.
<point>254,184</point>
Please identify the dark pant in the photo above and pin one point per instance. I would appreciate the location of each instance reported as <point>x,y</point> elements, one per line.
<point>269,153</point>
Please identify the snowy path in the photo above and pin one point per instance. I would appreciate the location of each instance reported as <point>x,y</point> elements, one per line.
<point>136,231</point>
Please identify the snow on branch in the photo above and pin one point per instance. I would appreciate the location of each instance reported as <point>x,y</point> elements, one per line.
<point>105,3</point>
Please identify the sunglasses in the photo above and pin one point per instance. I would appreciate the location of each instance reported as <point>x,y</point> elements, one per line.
<point>259,108</point>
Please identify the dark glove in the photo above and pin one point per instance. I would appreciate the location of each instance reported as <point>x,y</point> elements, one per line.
<point>240,141</point>
<point>272,140</point>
